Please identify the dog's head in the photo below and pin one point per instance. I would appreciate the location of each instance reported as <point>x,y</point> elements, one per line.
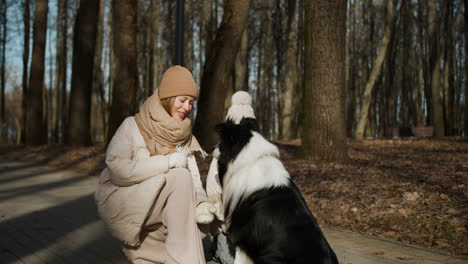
<point>233,138</point>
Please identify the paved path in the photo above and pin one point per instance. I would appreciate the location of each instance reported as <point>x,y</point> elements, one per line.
<point>48,216</point>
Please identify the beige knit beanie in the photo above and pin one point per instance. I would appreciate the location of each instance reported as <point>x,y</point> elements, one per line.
<point>176,81</point>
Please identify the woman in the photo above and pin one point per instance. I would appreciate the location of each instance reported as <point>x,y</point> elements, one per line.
<point>150,195</point>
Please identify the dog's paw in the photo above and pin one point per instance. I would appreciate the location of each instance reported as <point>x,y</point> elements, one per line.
<point>242,257</point>
<point>177,160</point>
<point>216,153</point>
<point>204,213</point>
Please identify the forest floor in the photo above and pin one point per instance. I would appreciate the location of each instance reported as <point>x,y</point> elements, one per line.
<point>410,190</point>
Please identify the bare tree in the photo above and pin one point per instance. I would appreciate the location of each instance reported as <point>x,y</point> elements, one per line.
<point>242,64</point>
<point>98,83</point>
<point>466,70</point>
<point>421,70</point>
<point>64,74</point>
<point>366,97</point>
<point>84,43</point>
<point>188,35</point>
<point>125,84</point>
<point>447,81</point>
<point>154,43</point>
<point>3,38</point>
<point>26,22</point>
<point>291,73</point>
<point>435,58</point>
<point>324,128</point>
<point>217,70</point>
<point>35,124</point>
<point>59,72</point>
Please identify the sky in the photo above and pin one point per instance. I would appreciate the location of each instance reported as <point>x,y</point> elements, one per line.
<point>15,41</point>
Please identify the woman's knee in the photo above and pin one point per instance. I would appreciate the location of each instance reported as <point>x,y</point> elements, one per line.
<point>180,177</point>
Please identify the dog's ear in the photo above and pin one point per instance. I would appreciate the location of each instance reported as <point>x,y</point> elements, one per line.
<point>226,131</point>
<point>249,123</point>
<point>222,128</point>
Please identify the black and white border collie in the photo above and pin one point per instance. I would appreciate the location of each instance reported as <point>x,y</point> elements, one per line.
<point>266,217</point>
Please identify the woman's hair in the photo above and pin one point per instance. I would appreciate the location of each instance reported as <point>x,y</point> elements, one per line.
<point>167,103</point>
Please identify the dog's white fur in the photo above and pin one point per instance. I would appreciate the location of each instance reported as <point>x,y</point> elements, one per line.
<point>257,166</point>
<point>242,258</point>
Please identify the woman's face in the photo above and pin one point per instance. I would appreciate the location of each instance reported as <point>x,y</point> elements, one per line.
<point>182,107</point>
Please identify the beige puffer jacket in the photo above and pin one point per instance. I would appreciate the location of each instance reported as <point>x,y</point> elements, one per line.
<point>131,182</point>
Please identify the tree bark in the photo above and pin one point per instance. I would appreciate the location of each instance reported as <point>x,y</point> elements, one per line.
<point>291,79</point>
<point>421,76</point>
<point>435,58</point>
<point>351,71</point>
<point>267,101</point>
<point>466,70</point>
<point>405,86</point>
<point>84,44</point>
<point>154,41</point>
<point>2,70</point>
<point>366,97</point>
<point>324,128</point>
<point>188,36</point>
<point>35,132</point>
<point>217,70</point>
<point>447,88</point>
<point>27,30</point>
<point>99,122</point>
<point>58,74</point>
<point>124,104</point>
<point>242,63</point>
<point>206,32</point>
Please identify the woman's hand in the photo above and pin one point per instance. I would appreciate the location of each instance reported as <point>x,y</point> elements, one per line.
<point>204,213</point>
<point>177,160</point>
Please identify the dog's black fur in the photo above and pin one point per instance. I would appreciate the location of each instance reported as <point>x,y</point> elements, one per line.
<point>271,225</point>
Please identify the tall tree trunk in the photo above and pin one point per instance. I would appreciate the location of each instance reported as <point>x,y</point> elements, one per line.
<point>169,32</point>
<point>277,21</point>
<point>242,63</point>
<point>291,79</point>
<point>434,63</point>
<point>59,71</point>
<point>27,30</point>
<point>268,64</point>
<point>64,63</point>
<point>466,70</point>
<point>84,44</point>
<point>447,88</point>
<point>111,72</point>
<point>447,104</point>
<point>188,36</point>
<point>351,72</point>
<point>299,115</point>
<point>366,97</point>
<point>2,70</point>
<point>217,70</point>
<point>35,133</point>
<point>259,108</point>
<point>388,83</point>
<point>324,128</point>
<point>406,70</point>
<point>154,41</point>
<point>421,80</point>
<point>98,83</point>
<point>206,32</point>
<point>124,104</point>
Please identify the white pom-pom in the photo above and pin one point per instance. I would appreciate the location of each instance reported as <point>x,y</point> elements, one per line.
<point>241,98</point>
<point>241,107</point>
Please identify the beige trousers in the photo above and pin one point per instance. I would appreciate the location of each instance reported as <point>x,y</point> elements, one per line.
<point>170,234</point>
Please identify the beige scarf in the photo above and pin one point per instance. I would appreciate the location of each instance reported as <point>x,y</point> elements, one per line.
<point>162,133</point>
